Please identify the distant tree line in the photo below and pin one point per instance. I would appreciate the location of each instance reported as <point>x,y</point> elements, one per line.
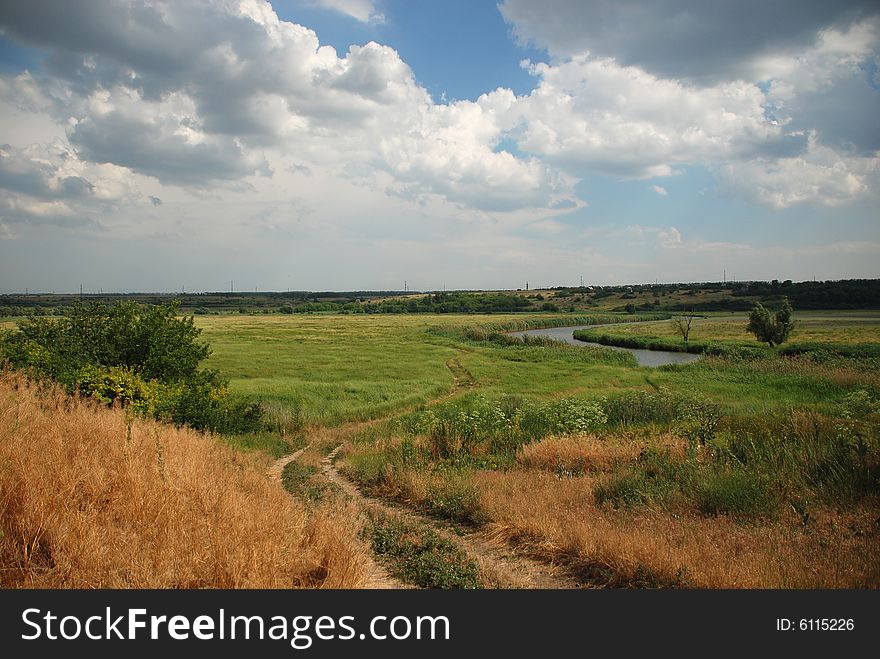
<point>841,294</point>
<point>845,294</point>
<point>452,302</point>
<point>735,296</point>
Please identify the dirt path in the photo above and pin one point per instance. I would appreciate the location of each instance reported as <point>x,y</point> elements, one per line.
<point>462,378</point>
<point>502,564</point>
<point>376,575</point>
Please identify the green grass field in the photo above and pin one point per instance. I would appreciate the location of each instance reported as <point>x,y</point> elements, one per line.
<point>340,368</point>
<point>346,367</point>
<point>336,367</point>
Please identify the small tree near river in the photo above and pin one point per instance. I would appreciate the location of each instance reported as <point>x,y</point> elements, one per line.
<point>682,326</point>
<point>773,331</point>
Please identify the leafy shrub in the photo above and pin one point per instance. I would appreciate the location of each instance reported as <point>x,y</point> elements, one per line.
<point>476,426</point>
<point>860,404</point>
<point>118,384</point>
<point>145,358</point>
<point>697,421</point>
<point>569,416</point>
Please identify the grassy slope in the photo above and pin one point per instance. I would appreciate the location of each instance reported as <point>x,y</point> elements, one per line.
<point>93,499</point>
<point>338,367</point>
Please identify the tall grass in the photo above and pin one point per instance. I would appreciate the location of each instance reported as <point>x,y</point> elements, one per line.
<point>669,344</point>
<point>92,498</point>
<point>649,547</point>
<point>479,427</point>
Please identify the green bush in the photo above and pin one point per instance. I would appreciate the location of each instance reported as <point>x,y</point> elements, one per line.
<point>476,426</point>
<point>569,416</point>
<point>145,358</point>
<point>697,421</point>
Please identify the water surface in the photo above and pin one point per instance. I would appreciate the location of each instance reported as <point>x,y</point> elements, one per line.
<point>650,358</point>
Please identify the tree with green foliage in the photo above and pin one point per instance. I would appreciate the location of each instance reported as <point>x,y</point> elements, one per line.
<point>775,330</point>
<point>146,358</point>
<point>152,342</point>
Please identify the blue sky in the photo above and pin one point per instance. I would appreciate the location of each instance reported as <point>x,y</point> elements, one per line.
<point>460,48</point>
<point>352,144</point>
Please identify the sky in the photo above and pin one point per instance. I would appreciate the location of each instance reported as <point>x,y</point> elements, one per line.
<point>152,145</point>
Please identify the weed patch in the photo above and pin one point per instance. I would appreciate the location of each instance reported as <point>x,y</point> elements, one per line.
<point>304,481</point>
<point>745,496</point>
<point>417,555</point>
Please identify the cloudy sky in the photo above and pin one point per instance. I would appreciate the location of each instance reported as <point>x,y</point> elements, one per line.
<point>148,145</point>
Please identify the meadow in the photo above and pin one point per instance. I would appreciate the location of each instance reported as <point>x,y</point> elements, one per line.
<point>748,468</point>
<point>729,472</point>
<point>337,368</point>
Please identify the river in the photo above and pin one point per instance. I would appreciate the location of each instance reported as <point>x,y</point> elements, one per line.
<point>650,358</point>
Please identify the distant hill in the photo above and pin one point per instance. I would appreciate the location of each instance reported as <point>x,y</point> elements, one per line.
<point>704,296</point>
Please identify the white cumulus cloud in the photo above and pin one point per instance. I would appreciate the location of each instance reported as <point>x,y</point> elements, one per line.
<point>593,115</point>
<point>669,239</point>
<point>362,10</point>
<point>818,175</point>
<point>198,94</point>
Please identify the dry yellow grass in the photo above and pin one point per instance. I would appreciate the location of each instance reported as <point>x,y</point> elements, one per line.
<point>559,518</point>
<point>548,505</point>
<point>576,454</point>
<point>91,500</point>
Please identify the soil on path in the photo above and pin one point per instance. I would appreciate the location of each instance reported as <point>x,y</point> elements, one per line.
<point>501,563</point>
